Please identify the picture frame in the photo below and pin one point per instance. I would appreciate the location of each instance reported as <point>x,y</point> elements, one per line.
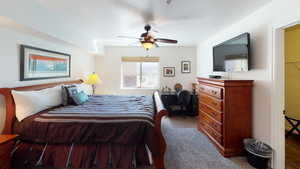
<point>185,66</point>
<point>37,64</point>
<point>169,71</point>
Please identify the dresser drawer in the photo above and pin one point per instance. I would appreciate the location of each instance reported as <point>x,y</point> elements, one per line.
<point>213,113</point>
<point>211,122</point>
<point>216,136</point>
<point>213,91</point>
<point>212,102</point>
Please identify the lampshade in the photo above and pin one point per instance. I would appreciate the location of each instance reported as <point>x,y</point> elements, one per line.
<point>147,45</point>
<point>93,79</point>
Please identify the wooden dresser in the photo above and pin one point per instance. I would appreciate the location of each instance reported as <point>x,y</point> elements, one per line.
<point>6,143</point>
<point>225,113</point>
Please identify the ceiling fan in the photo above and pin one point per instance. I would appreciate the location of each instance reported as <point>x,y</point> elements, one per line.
<point>148,40</point>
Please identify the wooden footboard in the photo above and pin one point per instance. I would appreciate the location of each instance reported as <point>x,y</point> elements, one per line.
<point>160,112</point>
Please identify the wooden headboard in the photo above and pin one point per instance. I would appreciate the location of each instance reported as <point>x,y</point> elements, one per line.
<point>10,104</point>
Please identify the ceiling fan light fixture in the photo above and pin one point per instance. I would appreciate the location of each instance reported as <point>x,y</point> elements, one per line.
<point>147,45</point>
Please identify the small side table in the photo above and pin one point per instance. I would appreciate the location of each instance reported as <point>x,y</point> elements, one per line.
<point>6,144</point>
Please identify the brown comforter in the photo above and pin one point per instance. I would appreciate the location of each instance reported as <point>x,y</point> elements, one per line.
<point>126,121</point>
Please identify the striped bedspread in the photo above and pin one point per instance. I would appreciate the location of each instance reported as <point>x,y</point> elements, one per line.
<point>104,118</point>
<point>104,109</point>
<point>98,133</point>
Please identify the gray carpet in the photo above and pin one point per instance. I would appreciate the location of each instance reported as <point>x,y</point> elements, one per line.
<point>187,148</point>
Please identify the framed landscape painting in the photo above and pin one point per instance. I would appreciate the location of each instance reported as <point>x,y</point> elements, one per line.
<point>37,63</point>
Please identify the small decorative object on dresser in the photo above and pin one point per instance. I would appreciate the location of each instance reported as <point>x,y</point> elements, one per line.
<point>225,113</point>
<point>6,144</point>
<point>169,71</point>
<point>185,66</point>
<point>37,63</point>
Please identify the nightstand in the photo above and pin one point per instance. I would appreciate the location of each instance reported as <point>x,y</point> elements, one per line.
<point>6,144</point>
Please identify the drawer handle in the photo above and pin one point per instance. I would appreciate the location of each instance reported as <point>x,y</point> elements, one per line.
<point>216,126</point>
<point>213,124</point>
<point>214,92</point>
<point>201,88</point>
<point>214,114</point>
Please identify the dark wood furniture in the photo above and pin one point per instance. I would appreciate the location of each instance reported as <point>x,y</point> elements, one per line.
<point>11,114</point>
<point>294,123</point>
<point>6,144</point>
<point>169,100</point>
<point>225,113</point>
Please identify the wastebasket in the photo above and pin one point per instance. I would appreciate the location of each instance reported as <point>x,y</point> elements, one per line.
<point>258,153</point>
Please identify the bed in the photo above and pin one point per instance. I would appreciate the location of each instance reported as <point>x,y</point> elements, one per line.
<point>96,134</point>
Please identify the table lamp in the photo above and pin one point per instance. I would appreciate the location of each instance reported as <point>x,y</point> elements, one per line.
<point>93,80</point>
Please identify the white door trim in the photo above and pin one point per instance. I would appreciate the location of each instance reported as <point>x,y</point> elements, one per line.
<point>277,94</point>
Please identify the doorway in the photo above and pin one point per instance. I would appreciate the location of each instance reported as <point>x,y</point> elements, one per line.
<point>292,96</point>
<point>278,92</point>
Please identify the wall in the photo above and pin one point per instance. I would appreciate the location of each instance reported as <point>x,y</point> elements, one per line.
<point>258,28</point>
<point>108,67</point>
<point>263,25</point>
<point>12,35</point>
<point>292,72</point>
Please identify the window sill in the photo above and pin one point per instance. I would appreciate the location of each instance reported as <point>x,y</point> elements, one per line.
<point>122,88</point>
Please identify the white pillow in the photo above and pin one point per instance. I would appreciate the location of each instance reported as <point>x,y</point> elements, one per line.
<point>31,102</point>
<point>85,87</point>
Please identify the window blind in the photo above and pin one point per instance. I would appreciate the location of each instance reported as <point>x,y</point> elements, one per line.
<point>140,59</point>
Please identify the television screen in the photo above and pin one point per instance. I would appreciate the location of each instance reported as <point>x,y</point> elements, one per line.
<point>232,55</point>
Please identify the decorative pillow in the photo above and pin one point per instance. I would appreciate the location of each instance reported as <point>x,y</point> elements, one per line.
<point>80,98</point>
<point>31,102</point>
<point>72,90</point>
<point>65,95</point>
<point>85,87</point>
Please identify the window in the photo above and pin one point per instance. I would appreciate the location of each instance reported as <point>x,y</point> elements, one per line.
<point>140,72</point>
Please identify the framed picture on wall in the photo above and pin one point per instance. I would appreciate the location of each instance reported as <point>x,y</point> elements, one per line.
<point>37,63</point>
<point>169,71</point>
<point>185,66</point>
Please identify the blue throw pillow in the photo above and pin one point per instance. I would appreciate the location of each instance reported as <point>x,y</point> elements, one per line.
<point>80,98</point>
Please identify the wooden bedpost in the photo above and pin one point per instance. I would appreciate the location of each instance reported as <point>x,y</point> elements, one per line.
<point>160,112</point>
<point>10,110</point>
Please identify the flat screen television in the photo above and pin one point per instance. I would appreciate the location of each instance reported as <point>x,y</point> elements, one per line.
<point>232,55</point>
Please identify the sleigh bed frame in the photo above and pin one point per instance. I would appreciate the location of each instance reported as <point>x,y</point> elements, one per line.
<point>11,116</point>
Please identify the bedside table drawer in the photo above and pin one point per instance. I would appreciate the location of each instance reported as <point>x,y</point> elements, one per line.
<point>5,162</point>
<point>5,149</point>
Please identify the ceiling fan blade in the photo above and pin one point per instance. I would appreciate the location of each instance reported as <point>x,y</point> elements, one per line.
<point>128,37</point>
<point>161,40</point>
